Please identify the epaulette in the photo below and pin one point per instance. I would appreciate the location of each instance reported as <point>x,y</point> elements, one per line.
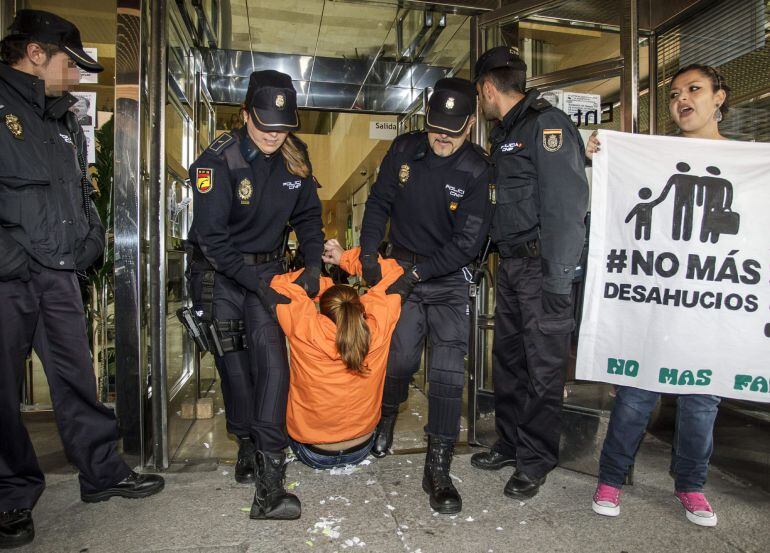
<point>473,160</point>
<point>405,141</point>
<point>220,143</point>
<point>540,104</point>
<point>482,152</point>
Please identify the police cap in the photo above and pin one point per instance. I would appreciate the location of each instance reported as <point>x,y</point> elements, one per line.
<point>499,56</point>
<point>49,28</point>
<point>272,101</point>
<point>450,106</point>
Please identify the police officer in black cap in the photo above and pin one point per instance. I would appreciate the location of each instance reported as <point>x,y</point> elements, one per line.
<point>48,230</point>
<point>538,228</point>
<point>248,185</point>
<point>434,188</point>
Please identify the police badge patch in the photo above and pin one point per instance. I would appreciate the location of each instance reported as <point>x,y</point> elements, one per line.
<point>280,101</point>
<point>452,206</point>
<point>244,191</point>
<point>204,180</point>
<point>552,139</point>
<point>403,174</point>
<point>450,103</point>
<point>14,125</point>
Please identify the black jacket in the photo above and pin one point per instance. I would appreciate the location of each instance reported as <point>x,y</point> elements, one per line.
<point>541,187</point>
<point>438,207</point>
<point>41,197</point>
<point>248,204</point>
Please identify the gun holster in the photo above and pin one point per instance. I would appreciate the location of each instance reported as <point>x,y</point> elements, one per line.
<point>217,337</point>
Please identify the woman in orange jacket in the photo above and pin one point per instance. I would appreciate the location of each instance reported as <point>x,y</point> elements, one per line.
<point>337,358</point>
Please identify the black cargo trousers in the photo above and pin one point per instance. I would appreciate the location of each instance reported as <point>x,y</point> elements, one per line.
<point>46,313</point>
<point>437,308</point>
<point>255,381</point>
<point>530,350</point>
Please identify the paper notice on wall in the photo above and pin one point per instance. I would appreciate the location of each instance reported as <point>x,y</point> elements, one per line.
<point>383,130</point>
<point>90,144</point>
<point>583,108</point>
<point>85,108</point>
<point>85,76</point>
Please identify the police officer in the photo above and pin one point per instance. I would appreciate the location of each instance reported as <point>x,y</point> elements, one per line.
<point>434,188</point>
<point>248,185</point>
<point>541,202</point>
<point>48,230</point>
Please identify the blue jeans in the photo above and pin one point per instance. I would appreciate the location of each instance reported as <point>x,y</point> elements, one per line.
<point>693,438</point>
<point>333,459</point>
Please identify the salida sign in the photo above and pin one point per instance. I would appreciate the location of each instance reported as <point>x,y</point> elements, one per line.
<point>678,287</point>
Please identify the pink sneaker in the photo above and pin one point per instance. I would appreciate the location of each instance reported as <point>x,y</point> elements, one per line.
<point>606,500</point>
<point>697,508</point>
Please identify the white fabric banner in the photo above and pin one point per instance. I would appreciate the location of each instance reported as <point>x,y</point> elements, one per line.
<point>677,295</point>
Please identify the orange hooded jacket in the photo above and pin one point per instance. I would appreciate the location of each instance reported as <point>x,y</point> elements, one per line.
<point>327,402</point>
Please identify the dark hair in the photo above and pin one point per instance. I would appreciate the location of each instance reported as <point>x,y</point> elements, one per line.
<point>13,48</point>
<point>717,81</point>
<point>505,79</point>
<point>343,306</point>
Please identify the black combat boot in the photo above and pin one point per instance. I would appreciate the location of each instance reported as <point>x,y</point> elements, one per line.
<point>244,466</point>
<point>271,499</point>
<point>383,436</point>
<point>16,528</point>
<point>436,481</point>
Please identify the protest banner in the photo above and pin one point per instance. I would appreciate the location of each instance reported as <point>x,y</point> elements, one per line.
<point>677,295</point>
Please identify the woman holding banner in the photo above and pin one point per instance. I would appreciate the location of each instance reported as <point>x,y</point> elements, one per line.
<point>698,100</point>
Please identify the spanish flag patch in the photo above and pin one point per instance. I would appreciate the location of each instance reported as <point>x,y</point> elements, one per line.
<point>204,180</point>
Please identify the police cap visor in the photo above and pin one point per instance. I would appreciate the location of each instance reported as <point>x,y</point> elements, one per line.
<point>49,28</point>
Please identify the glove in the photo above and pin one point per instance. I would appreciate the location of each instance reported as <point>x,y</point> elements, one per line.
<point>404,285</point>
<point>87,254</point>
<point>310,281</point>
<point>270,298</point>
<point>555,303</point>
<point>370,268</point>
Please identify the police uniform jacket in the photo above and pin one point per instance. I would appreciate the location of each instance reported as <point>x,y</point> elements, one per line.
<point>42,213</point>
<point>243,200</point>
<point>541,188</point>
<point>438,207</point>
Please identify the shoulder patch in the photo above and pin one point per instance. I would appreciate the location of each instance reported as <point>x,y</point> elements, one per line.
<point>220,143</point>
<point>553,139</point>
<point>204,179</point>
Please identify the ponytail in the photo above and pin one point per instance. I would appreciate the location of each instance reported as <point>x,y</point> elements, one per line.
<point>343,306</point>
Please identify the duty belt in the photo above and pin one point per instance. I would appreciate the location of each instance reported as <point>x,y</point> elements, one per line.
<point>403,254</point>
<point>530,248</point>
<point>248,258</point>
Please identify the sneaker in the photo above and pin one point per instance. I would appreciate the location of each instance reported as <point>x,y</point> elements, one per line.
<point>606,500</point>
<point>697,508</point>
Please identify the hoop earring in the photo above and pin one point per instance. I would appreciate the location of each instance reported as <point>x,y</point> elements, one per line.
<point>718,115</point>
